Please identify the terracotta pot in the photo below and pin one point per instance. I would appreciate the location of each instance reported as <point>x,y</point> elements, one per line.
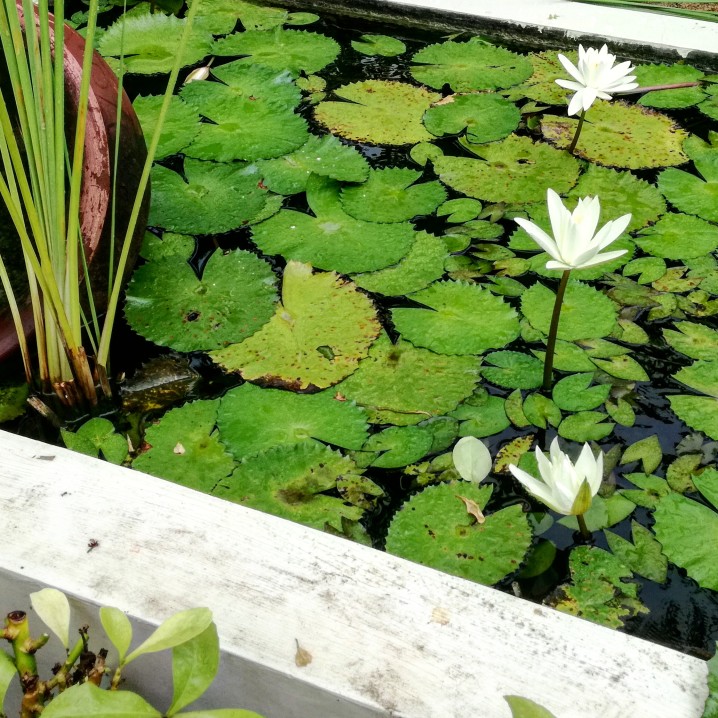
<point>98,165</point>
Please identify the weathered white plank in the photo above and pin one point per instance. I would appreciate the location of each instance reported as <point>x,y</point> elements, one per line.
<point>387,637</point>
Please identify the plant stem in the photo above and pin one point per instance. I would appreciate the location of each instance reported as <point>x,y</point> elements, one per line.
<point>572,146</point>
<point>582,526</point>
<point>553,331</point>
<point>655,88</point>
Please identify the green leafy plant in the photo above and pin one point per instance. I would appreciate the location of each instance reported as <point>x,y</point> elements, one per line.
<point>84,684</point>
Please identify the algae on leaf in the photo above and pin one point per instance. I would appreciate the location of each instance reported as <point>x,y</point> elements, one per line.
<point>319,332</point>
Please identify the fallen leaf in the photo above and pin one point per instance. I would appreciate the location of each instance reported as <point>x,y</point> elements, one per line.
<point>472,508</point>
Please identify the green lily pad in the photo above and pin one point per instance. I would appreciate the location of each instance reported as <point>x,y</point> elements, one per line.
<point>585,426</point>
<point>460,319</point>
<point>513,370</point>
<point>486,117</point>
<point>379,45</point>
<point>184,448</point>
<point>648,269</point>
<point>572,393</point>
<point>688,532</point>
<point>651,489</point>
<point>190,206</point>
<point>378,111</point>
<point>433,528</point>
<point>541,411</point>
<point>586,313</point>
<point>679,236</point>
<point>423,264</point>
<point>680,472</point>
<point>568,357</point>
<point>692,194</point>
<point>97,438</point>
<point>332,239</point>
<point>701,376</point>
<point>694,340</point>
<point>425,152</point>
<point>706,481</point>
<point>399,446</point>
<point>252,420</point>
<point>401,384</point>
<point>169,245</point>
<point>620,193</point>
<point>481,416</point>
<point>515,171</point>
<point>601,590</point>
<point>541,86</point>
<point>622,367</point>
<point>603,513</point>
<point>319,332</point>
<point>325,156</point>
<point>460,210</point>
<point>293,50</point>
<point>621,412</point>
<point>168,305</point>
<point>677,98</point>
<point>180,128</point>
<point>148,42</point>
<point>699,412</point>
<point>220,16</point>
<point>647,450</point>
<point>390,195</point>
<point>620,135</point>
<point>290,481</point>
<point>467,66</point>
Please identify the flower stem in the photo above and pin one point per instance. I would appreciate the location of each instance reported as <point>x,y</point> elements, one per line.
<point>553,331</point>
<point>572,147</point>
<point>582,526</point>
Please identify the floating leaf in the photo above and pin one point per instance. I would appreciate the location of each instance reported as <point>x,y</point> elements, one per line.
<point>699,412</point>
<point>621,412</point>
<point>513,369</point>
<point>189,205</point>
<point>467,66</point>
<point>293,50</point>
<point>378,111</point>
<point>679,236</point>
<point>180,127</point>
<point>220,16</point>
<point>399,446</point>
<point>401,384</point>
<point>390,195</point>
<point>252,420</point>
<point>677,98</point>
<point>434,528</point>
<point>423,264</point>
<point>701,376</point>
<point>648,269</point>
<point>325,156</point>
<point>460,210</point>
<point>568,357</point>
<point>514,170</point>
<point>644,556</point>
<point>460,319</point>
<point>694,340</point>
<point>620,135</point>
<point>652,488</point>
<point>168,305</point>
<point>97,438</point>
<point>707,483</point>
<point>425,152</point>
<point>622,367</point>
<point>483,416</point>
<point>169,245</point>
<point>572,393</point>
<point>290,481</point>
<point>688,532</point>
<point>585,426</point>
<point>203,461</point>
<point>485,118</point>
<point>148,42</point>
<point>692,194</point>
<point>379,45</point>
<point>648,451</point>
<point>541,86</point>
<point>600,590</point>
<point>679,473</point>
<point>603,513</point>
<point>332,239</point>
<point>13,398</point>
<point>586,313</point>
<point>541,411</point>
<point>320,330</point>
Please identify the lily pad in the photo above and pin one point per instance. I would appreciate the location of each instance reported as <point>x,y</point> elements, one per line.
<point>620,135</point>
<point>485,117</point>
<point>252,420</point>
<point>183,447</point>
<point>434,528</point>
<point>513,370</point>
<point>189,206</point>
<point>572,393</point>
<point>148,42</point>
<point>692,194</point>
<point>541,411</point>
<point>622,367</point>
<point>378,111</point>
<point>423,264</point>
<point>383,45</point>
<point>291,481</point>
<point>325,156</point>
<point>97,438</point>
<point>401,384</point>
<point>168,305</point>
<point>679,236</point>
<point>694,340</point>
<point>13,398</point>
<point>317,336</point>
<point>585,426</point>
<point>541,86</point>
<point>647,450</point>
<point>677,98</point>
<point>332,239</point>
<point>293,50</point>
<point>460,210</point>
<point>399,446</point>
<point>515,171</point>
<point>390,195</point>
<point>586,313</point>
<point>699,412</point>
<point>481,416</point>
<point>688,532</point>
<point>460,319</point>
<point>467,66</point>
<point>180,128</point>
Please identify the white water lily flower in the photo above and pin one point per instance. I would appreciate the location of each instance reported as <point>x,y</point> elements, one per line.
<point>595,77</point>
<point>574,245</point>
<point>566,487</point>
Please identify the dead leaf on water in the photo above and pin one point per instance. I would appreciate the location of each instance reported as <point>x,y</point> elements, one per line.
<point>472,508</point>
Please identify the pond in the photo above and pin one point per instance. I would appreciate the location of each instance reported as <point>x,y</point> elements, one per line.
<point>334,290</point>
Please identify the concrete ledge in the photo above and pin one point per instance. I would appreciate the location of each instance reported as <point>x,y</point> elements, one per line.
<point>387,637</point>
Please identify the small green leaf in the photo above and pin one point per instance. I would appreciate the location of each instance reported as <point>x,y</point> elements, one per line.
<point>679,473</point>
<point>7,673</point>
<point>621,412</point>
<point>459,210</point>
<point>679,236</point>
<point>194,667</point>
<point>484,418</point>
<point>53,609</point>
<point>540,559</point>
<point>541,411</point>
<point>399,446</point>
<point>622,367</point>
<point>177,629</point>
<point>652,488</point>
<point>572,393</point>
<point>513,369</point>
<point>585,426</point>
<point>603,513</point>
<point>525,708</point>
<point>118,629</point>
<point>694,340</point>
<point>87,699</point>
<point>699,412</point>
<point>648,451</point>
<point>707,483</point>
<point>383,45</point>
<point>644,556</point>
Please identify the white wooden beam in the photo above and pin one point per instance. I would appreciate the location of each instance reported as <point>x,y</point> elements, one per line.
<point>387,637</point>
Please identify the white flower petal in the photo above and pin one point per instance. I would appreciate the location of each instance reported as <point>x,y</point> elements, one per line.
<point>570,85</point>
<point>538,236</point>
<point>472,459</point>
<point>536,488</point>
<point>576,103</point>
<point>571,68</point>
